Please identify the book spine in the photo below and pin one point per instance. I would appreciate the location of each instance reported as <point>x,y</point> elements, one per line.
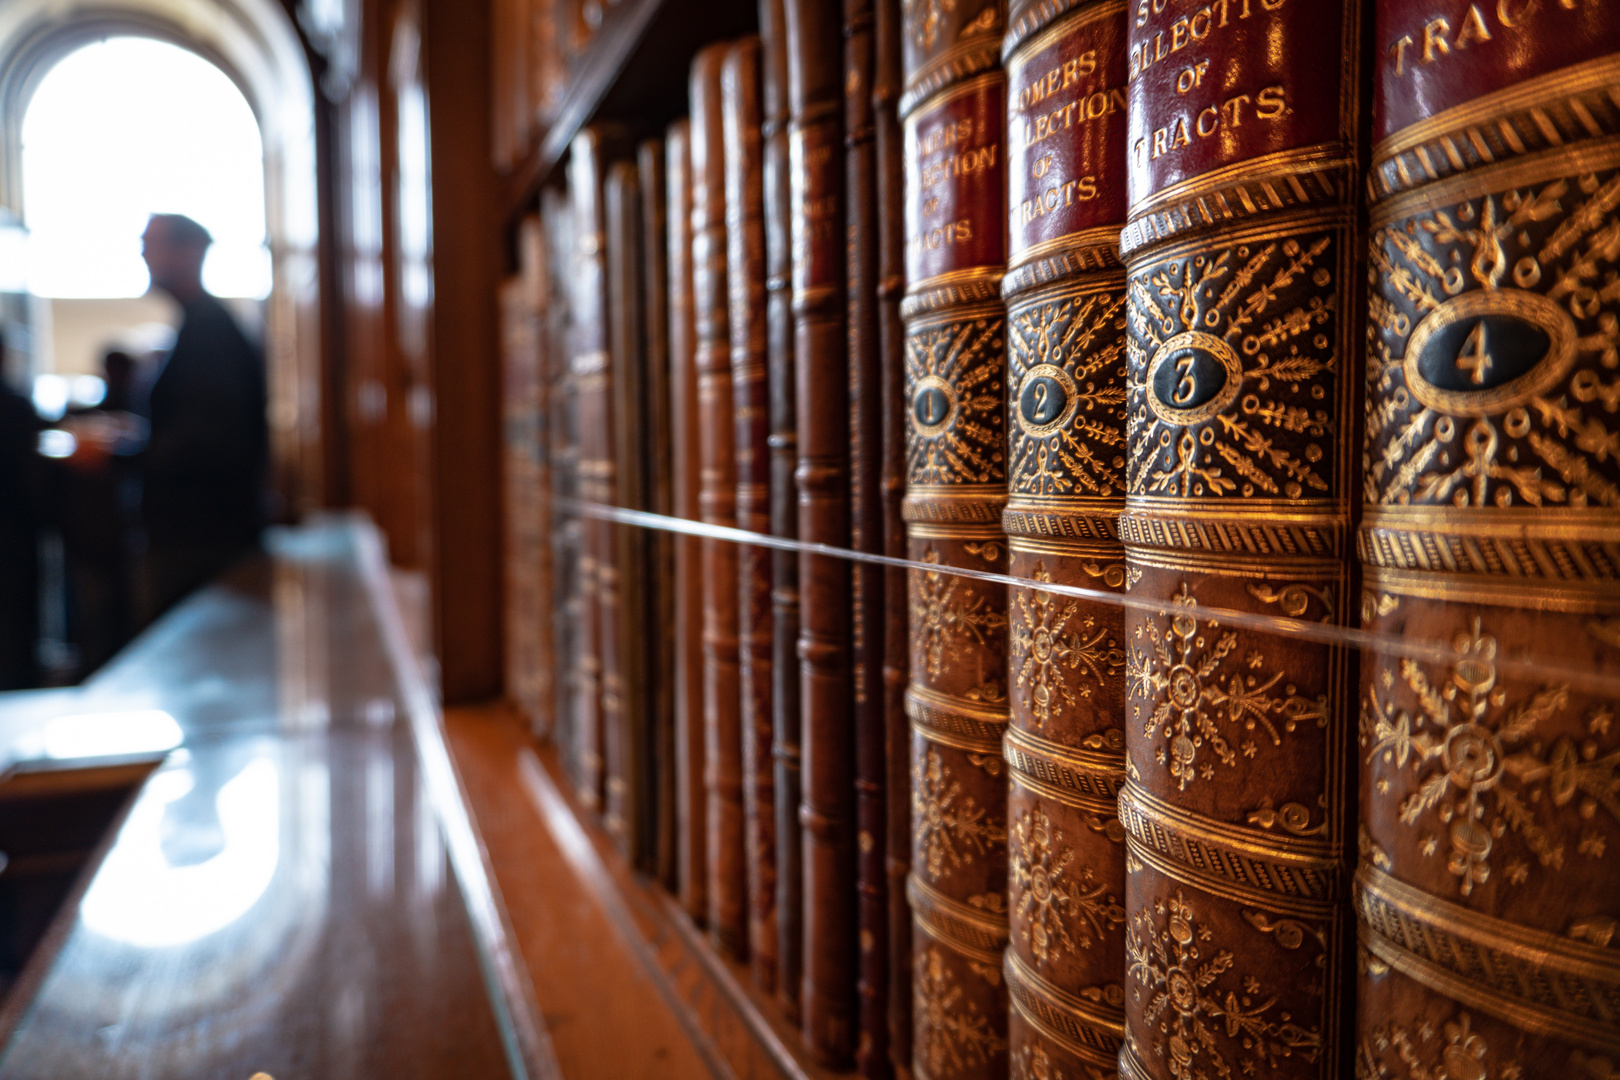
<point>1242,350</point>
<point>745,264</point>
<point>716,415</point>
<point>827,813</point>
<point>953,108</point>
<point>889,178</point>
<point>534,257</point>
<point>1485,898</point>
<point>627,689</point>
<point>564,524</point>
<point>660,820</point>
<point>589,370</point>
<point>866,534</point>
<point>1065,295</point>
<point>691,798</point>
<point>780,380</point>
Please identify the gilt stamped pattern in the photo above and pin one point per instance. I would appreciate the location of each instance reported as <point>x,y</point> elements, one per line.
<point>950,829</point>
<point>1053,644</point>
<point>1233,368</point>
<point>1202,694</point>
<point>947,614</point>
<point>1474,763</point>
<point>1494,347</point>
<point>952,1033</point>
<point>1061,907</point>
<point>1426,1051</point>
<point>955,430</point>
<point>1204,1016</point>
<point>1079,449</point>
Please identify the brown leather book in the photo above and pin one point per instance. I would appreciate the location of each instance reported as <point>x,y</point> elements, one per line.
<point>780,381</point>
<point>661,820</point>
<point>628,668</point>
<point>890,234</point>
<point>563,524</point>
<point>1243,350</point>
<point>1485,895</point>
<point>866,534</point>
<point>827,815</point>
<point>592,391</point>
<point>954,109</point>
<point>717,495</point>
<point>525,478</point>
<point>691,797</point>
<point>745,266</point>
<point>1065,294</point>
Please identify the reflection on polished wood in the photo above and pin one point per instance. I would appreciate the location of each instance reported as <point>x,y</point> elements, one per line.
<point>609,951</point>
<point>278,898</point>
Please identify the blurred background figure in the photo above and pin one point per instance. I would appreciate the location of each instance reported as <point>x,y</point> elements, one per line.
<point>203,469</point>
<point>19,536</point>
<point>95,497</point>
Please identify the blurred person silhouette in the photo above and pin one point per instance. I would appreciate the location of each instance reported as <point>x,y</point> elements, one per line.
<point>19,536</point>
<point>204,464</point>
<point>95,496</point>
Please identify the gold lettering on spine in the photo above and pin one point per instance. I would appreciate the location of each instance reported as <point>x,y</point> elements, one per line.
<point>1489,804</point>
<point>1065,487</point>
<point>1240,350</point>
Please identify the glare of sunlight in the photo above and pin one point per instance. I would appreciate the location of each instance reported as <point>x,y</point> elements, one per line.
<point>140,898</point>
<point>112,734</point>
<point>124,128</point>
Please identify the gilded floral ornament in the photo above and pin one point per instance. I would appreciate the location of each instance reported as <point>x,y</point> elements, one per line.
<point>1067,401</point>
<point>923,18</point>
<point>1482,765</point>
<point>1192,679</point>
<point>949,827</point>
<point>1045,646</point>
<point>1232,357</point>
<point>955,430</point>
<point>1451,1051</point>
<point>945,614</point>
<point>1051,895</point>
<point>1188,1009</point>
<point>951,1033</point>
<point>1494,346</point>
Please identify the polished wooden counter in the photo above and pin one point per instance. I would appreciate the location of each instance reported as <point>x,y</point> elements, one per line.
<point>294,889</point>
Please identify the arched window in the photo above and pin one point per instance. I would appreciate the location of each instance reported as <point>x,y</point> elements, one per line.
<point>124,128</point>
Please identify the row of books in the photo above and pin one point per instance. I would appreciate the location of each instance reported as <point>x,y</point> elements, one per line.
<point>1135,298</point>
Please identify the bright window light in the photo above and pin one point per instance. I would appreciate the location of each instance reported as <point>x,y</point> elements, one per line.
<point>125,128</point>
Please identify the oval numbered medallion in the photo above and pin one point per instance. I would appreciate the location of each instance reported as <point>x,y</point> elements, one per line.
<point>1191,377</point>
<point>1485,352</point>
<point>933,405</point>
<point>1046,400</point>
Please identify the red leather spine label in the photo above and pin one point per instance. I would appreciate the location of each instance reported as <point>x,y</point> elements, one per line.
<point>1216,83</point>
<point>1434,56</point>
<point>955,180</point>
<point>1066,130</point>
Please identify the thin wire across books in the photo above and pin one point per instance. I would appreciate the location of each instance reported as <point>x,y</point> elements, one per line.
<point>1540,668</point>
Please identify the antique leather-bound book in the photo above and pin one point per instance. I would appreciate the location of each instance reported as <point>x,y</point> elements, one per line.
<point>827,813</point>
<point>627,682</point>
<point>717,496</point>
<point>780,379</point>
<point>588,364</point>
<point>1485,896</point>
<point>661,820</point>
<point>1065,743</point>
<point>562,523</point>
<point>1243,347</point>
<point>691,797</point>
<point>745,265</point>
<point>866,534</point>
<point>954,110</point>
<point>890,241</point>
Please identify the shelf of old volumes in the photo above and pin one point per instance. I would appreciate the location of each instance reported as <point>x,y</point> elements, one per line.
<point>634,69</point>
